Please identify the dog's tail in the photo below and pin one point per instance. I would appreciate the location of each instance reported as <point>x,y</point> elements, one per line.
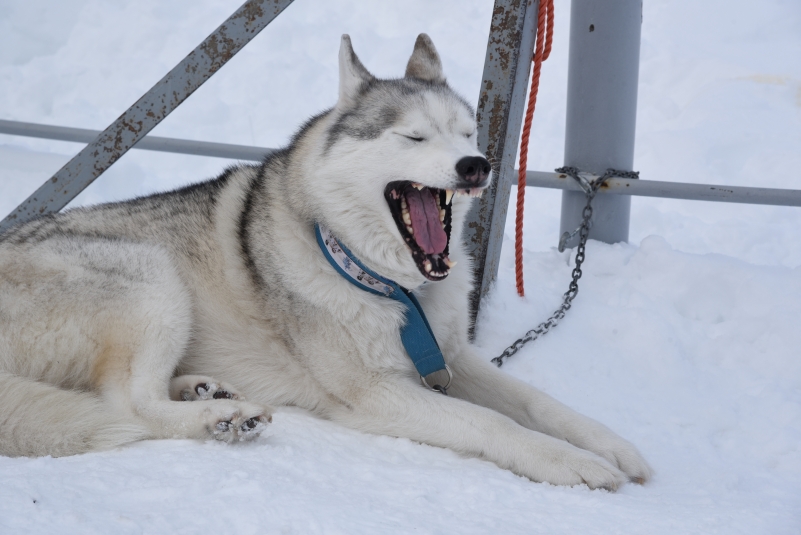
<point>40,419</point>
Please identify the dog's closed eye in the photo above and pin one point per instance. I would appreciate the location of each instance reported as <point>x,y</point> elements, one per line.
<point>414,138</point>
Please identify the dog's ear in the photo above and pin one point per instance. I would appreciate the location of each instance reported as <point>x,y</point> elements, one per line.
<point>352,74</point>
<point>424,63</point>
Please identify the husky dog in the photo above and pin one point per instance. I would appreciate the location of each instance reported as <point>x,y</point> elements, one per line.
<point>190,313</point>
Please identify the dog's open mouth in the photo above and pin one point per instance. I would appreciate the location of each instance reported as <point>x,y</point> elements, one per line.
<point>423,216</point>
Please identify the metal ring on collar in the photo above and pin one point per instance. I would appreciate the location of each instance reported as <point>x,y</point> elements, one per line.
<point>450,378</point>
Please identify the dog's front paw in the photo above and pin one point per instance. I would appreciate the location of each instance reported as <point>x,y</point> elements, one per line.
<point>233,422</point>
<point>200,387</point>
<point>624,455</point>
<point>619,452</point>
<point>573,466</point>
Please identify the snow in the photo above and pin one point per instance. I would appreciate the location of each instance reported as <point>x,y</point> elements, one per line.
<point>685,341</point>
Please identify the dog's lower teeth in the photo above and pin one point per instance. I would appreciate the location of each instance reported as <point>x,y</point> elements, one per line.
<point>442,215</point>
<point>428,266</point>
<point>407,218</point>
<point>448,262</point>
<point>410,229</point>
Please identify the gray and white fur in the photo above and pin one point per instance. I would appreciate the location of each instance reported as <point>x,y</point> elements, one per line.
<point>191,313</point>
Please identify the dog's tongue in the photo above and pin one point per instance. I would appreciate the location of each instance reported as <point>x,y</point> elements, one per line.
<point>428,231</point>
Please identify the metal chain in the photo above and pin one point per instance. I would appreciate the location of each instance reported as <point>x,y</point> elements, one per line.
<point>590,189</point>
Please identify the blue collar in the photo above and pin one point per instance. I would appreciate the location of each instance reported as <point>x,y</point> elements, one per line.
<point>416,334</point>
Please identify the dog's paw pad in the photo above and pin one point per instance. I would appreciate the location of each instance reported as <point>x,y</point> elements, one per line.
<point>213,391</point>
<point>249,425</point>
<point>201,388</point>
<point>210,390</point>
<point>246,423</point>
<point>223,427</point>
<point>253,427</point>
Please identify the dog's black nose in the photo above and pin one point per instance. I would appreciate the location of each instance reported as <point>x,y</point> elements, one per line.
<point>473,170</point>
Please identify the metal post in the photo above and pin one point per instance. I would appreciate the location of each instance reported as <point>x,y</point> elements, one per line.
<point>601,108</point>
<point>500,116</point>
<point>149,110</point>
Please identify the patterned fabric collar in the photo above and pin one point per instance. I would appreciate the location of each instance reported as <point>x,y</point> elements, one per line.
<point>350,267</point>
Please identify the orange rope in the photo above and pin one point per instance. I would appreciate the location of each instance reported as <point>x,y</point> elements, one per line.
<point>542,49</point>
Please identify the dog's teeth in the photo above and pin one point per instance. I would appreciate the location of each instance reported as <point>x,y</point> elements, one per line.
<point>448,262</point>
<point>442,216</point>
<point>418,186</point>
<point>448,196</point>
<point>410,229</point>
<point>407,218</point>
<point>403,203</point>
<point>428,266</point>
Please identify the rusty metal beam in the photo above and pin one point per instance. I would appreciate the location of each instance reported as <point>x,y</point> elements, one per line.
<point>500,115</point>
<point>246,22</point>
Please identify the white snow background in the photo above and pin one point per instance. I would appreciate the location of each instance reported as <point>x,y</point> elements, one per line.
<point>685,341</point>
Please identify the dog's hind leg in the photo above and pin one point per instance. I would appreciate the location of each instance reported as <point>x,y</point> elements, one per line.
<point>40,419</point>
<point>157,331</point>
<point>482,383</point>
<point>98,327</point>
<point>399,407</point>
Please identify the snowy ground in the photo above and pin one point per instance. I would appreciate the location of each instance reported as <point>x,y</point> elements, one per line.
<point>685,341</point>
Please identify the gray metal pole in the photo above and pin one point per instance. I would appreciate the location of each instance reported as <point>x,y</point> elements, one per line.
<point>209,56</point>
<point>160,144</point>
<point>671,190</point>
<point>500,116</point>
<point>601,108</point>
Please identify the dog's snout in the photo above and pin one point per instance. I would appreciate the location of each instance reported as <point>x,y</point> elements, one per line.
<point>473,170</point>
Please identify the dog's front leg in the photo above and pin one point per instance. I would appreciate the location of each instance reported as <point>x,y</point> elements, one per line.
<point>405,409</point>
<point>484,384</point>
